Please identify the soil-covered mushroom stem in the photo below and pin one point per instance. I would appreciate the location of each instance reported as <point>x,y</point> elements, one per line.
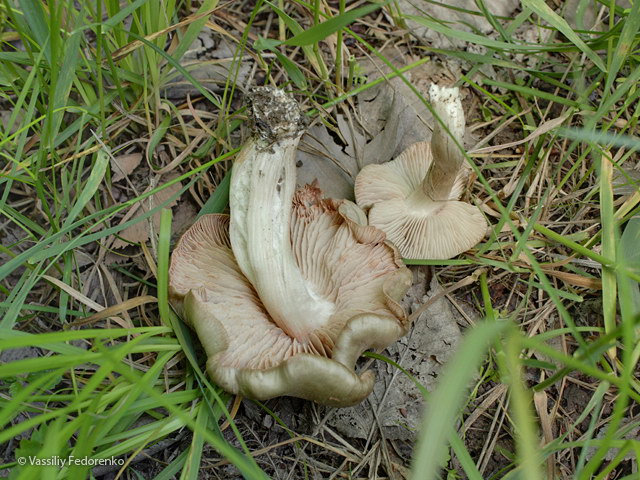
<point>262,187</point>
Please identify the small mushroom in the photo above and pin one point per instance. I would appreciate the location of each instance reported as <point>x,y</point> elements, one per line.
<point>287,292</point>
<point>414,198</point>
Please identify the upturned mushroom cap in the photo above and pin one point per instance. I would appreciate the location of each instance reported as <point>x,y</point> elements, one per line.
<point>414,198</point>
<point>288,292</point>
<point>347,264</point>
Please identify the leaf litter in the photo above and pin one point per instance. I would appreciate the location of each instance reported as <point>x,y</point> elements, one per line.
<point>123,165</point>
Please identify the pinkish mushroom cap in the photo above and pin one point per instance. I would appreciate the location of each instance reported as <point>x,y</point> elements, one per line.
<point>288,292</point>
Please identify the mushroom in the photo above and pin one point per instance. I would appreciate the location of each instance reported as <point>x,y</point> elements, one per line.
<point>414,198</point>
<point>287,292</point>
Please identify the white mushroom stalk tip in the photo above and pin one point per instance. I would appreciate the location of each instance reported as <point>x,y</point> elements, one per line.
<point>448,158</point>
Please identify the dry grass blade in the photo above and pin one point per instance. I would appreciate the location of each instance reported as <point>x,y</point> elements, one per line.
<point>237,401</point>
<point>125,50</point>
<point>540,400</point>
<point>497,393</point>
<point>300,438</point>
<point>468,280</point>
<point>113,310</point>
<point>546,127</point>
<point>74,293</point>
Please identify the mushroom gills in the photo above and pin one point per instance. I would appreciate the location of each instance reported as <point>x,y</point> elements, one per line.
<point>414,198</point>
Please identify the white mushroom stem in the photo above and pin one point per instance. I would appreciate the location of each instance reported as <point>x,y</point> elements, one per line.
<point>448,159</point>
<point>262,188</point>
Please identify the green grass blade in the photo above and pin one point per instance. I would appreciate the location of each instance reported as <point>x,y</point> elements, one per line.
<point>629,255</point>
<point>446,400</point>
<point>532,92</point>
<point>576,247</point>
<point>608,237</point>
<point>98,171</point>
<point>219,200</point>
<point>466,462</point>
<point>66,77</point>
<point>323,30</point>
<point>520,405</point>
<point>164,245</point>
<point>55,341</point>
<point>37,21</point>
<point>600,137</point>
<point>191,469</point>
<point>122,14</point>
<point>478,39</point>
<point>171,471</point>
<point>194,28</point>
<point>293,71</point>
<point>625,44</point>
<point>39,252</point>
<point>545,12</point>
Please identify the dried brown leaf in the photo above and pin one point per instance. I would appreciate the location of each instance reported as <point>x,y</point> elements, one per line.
<point>123,165</point>
<point>390,118</point>
<point>140,231</point>
<point>397,401</point>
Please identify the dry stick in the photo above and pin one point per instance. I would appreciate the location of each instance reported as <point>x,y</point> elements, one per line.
<point>477,148</point>
<point>366,460</point>
<point>386,455</point>
<point>144,455</point>
<point>497,392</point>
<point>234,411</point>
<point>542,129</point>
<point>113,310</point>
<point>468,280</point>
<point>375,412</point>
<point>338,470</point>
<point>342,441</point>
<point>299,438</point>
<point>492,438</point>
<point>483,125</point>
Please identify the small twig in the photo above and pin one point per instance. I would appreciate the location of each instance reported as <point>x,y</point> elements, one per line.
<point>144,455</point>
<point>468,280</point>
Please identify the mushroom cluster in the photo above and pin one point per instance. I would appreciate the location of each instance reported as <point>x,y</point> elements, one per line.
<point>287,292</point>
